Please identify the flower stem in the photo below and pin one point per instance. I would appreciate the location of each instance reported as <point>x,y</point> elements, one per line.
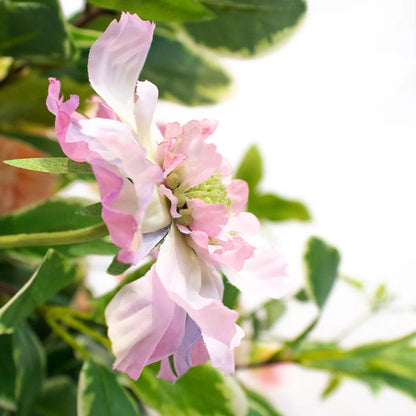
<point>54,238</point>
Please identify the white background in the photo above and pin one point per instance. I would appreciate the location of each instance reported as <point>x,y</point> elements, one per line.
<point>333,112</point>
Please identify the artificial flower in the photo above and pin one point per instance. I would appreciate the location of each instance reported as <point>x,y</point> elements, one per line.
<point>172,190</point>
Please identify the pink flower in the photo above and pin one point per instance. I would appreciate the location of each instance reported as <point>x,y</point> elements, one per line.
<point>176,188</point>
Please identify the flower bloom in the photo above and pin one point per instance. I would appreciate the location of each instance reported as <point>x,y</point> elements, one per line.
<point>174,189</point>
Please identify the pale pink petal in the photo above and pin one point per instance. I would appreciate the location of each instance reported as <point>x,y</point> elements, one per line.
<point>173,200</point>
<point>166,372</point>
<point>243,223</point>
<point>209,218</point>
<point>115,62</point>
<point>237,191</point>
<point>103,110</point>
<point>263,276</point>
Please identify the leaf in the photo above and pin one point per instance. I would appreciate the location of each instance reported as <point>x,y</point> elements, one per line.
<point>183,74</point>
<point>251,168</point>
<point>117,267</point>
<point>99,393</point>
<point>54,273</point>
<point>58,398</point>
<point>333,383</point>
<point>7,373</point>
<point>51,165</point>
<point>258,405</point>
<point>274,309</point>
<point>247,27</point>
<point>34,31</point>
<point>99,304</point>
<point>231,294</point>
<point>321,261</point>
<point>29,359</point>
<point>202,391</point>
<point>159,10</point>
<point>93,210</point>
<point>275,208</point>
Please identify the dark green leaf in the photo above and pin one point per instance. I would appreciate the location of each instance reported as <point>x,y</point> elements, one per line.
<point>117,267</point>
<point>7,373</point>
<point>183,74</point>
<point>99,304</point>
<point>321,260</point>
<point>251,168</point>
<point>247,27</point>
<point>302,296</point>
<point>53,215</point>
<point>258,405</point>
<point>202,391</point>
<point>54,273</point>
<point>159,10</point>
<point>51,165</point>
<point>30,362</point>
<point>231,294</point>
<point>34,31</point>
<point>99,393</point>
<point>58,398</point>
<point>274,208</point>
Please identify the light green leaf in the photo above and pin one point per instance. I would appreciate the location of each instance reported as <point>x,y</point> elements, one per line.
<point>51,165</point>
<point>202,391</point>
<point>30,362</point>
<point>247,27</point>
<point>275,208</point>
<point>333,383</point>
<point>159,10</point>
<point>183,74</point>
<point>274,309</point>
<point>54,273</point>
<point>258,405</point>
<point>99,393</point>
<point>58,398</point>
<point>34,31</point>
<point>321,263</point>
<point>251,168</point>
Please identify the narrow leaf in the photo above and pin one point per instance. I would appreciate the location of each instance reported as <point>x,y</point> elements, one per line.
<point>258,405</point>
<point>251,168</point>
<point>54,273</point>
<point>117,267</point>
<point>51,165</point>
<point>99,393</point>
<point>321,261</point>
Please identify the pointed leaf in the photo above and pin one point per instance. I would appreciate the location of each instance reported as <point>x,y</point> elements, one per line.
<point>117,267</point>
<point>54,273</point>
<point>247,27</point>
<point>251,168</point>
<point>51,165</point>
<point>159,10</point>
<point>99,393</point>
<point>258,405</point>
<point>321,261</point>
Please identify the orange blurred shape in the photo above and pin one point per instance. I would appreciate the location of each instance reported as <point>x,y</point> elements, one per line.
<point>20,187</point>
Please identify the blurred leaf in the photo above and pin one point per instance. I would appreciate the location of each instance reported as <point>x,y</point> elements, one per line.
<point>58,398</point>
<point>30,362</point>
<point>53,215</point>
<point>202,391</point>
<point>23,102</point>
<point>183,74</point>
<point>7,373</point>
<point>117,267</point>
<point>302,296</point>
<point>251,168</point>
<point>51,165</point>
<point>231,294</point>
<point>333,383</point>
<point>159,10</point>
<point>99,393</point>
<point>34,31</point>
<point>258,405</point>
<point>274,208</point>
<point>93,210</point>
<point>247,27</point>
<point>54,273</point>
<point>321,261</point>
<point>274,309</point>
<point>99,304</point>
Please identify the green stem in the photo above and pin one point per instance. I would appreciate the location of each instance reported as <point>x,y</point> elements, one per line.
<point>54,238</point>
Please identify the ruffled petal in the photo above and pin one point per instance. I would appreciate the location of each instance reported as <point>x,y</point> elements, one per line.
<point>209,218</point>
<point>115,62</point>
<point>237,191</point>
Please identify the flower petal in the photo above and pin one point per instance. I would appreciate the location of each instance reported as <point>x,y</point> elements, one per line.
<point>115,62</point>
<point>209,218</point>
<point>237,191</point>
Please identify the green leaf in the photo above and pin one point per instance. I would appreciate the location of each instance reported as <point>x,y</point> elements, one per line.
<point>34,31</point>
<point>29,359</point>
<point>247,27</point>
<point>159,10</point>
<point>258,405</point>
<point>251,168</point>
<point>54,273</point>
<point>58,398</point>
<point>7,373</point>
<point>51,165</point>
<point>99,393</point>
<point>183,74</point>
<point>274,309</point>
<point>333,383</point>
<point>99,304</point>
<point>231,294</point>
<point>117,267</point>
<point>93,210</point>
<point>202,391</point>
<point>321,261</point>
<point>275,208</point>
